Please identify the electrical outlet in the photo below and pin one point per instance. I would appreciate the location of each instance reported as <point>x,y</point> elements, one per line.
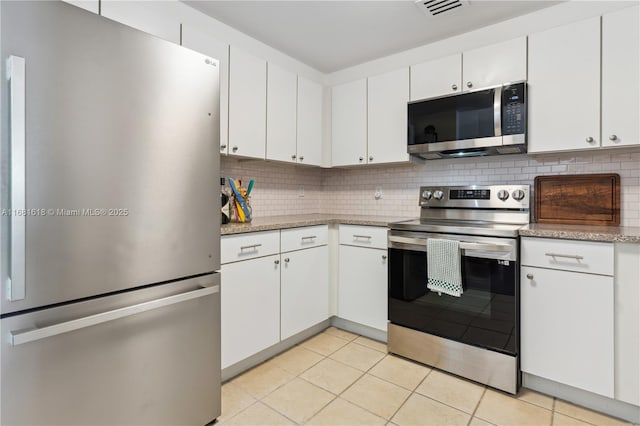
<point>301,191</point>
<point>378,193</point>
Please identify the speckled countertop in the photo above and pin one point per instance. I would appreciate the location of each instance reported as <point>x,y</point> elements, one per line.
<point>294,221</point>
<point>623,234</point>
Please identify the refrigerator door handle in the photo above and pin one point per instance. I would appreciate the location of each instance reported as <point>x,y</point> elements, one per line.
<point>17,143</point>
<point>31,335</point>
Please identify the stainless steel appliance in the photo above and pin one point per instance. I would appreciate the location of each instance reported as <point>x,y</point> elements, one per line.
<point>487,121</point>
<point>110,230</point>
<point>475,335</point>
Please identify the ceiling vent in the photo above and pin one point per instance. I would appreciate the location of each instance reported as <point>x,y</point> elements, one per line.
<point>434,8</point>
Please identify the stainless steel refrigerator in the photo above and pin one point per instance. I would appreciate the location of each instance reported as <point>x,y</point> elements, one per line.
<point>110,223</point>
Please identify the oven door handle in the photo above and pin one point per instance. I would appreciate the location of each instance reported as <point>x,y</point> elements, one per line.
<point>463,245</point>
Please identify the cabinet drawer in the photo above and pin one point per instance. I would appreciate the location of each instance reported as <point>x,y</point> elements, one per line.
<point>363,236</point>
<point>248,246</point>
<point>569,255</point>
<point>302,238</point>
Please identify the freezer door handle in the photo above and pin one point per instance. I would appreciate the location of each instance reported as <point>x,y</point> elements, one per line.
<point>31,335</point>
<point>17,104</point>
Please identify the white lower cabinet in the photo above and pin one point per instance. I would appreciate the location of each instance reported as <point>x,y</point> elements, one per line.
<point>304,289</point>
<point>567,317</point>
<point>362,277</point>
<point>250,307</point>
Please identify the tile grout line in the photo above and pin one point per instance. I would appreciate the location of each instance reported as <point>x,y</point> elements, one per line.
<point>473,414</point>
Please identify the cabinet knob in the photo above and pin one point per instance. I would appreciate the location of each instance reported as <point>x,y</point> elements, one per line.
<point>293,157</point>
<point>589,139</point>
<point>384,257</point>
<point>613,138</point>
<point>301,158</point>
<point>234,149</point>
<point>223,147</point>
<point>371,158</point>
<point>454,87</point>
<point>361,159</point>
<point>286,260</point>
<point>277,262</point>
<point>530,276</point>
<point>469,84</point>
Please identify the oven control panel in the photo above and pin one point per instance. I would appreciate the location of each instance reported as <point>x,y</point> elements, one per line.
<point>475,196</point>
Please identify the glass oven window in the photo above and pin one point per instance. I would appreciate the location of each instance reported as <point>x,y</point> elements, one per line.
<point>485,314</point>
<point>468,116</point>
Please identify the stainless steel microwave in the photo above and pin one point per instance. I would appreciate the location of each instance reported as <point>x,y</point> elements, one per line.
<point>488,121</point>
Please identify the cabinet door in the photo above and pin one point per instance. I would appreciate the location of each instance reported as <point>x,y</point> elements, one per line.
<point>388,95</point>
<point>207,45</point>
<point>349,123</point>
<point>438,77</point>
<point>247,104</point>
<point>250,307</point>
<point>567,328</point>
<point>157,18</point>
<point>620,81</point>
<point>90,5</point>
<point>281,114</point>
<point>309,138</point>
<point>564,87</point>
<point>362,286</point>
<point>305,289</point>
<point>495,64</point>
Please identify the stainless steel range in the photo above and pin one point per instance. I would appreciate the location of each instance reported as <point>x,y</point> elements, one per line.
<point>475,335</point>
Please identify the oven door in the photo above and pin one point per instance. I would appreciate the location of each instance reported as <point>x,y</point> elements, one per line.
<point>486,315</point>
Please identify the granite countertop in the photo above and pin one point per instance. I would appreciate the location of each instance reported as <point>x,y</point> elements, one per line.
<point>295,221</point>
<point>628,234</point>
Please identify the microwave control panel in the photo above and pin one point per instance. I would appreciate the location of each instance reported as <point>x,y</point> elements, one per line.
<point>514,114</point>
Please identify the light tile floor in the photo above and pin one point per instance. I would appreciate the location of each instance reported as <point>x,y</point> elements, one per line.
<point>339,378</point>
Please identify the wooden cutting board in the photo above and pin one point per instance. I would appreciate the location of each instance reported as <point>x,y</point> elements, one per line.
<point>578,199</point>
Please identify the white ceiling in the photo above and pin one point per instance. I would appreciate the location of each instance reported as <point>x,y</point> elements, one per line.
<point>333,35</point>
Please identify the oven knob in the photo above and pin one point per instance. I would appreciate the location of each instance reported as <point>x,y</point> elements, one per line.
<point>438,195</point>
<point>518,194</point>
<point>426,195</point>
<point>503,195</point>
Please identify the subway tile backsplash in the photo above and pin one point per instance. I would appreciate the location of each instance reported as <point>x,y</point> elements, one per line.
<point>279,186</point>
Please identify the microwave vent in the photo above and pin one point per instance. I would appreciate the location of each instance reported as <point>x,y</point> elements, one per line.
<point>434,8</point>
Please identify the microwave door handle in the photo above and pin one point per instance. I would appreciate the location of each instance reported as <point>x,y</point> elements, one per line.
<point>497,111</point>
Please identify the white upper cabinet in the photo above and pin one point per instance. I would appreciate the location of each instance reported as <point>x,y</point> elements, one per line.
<point>207,45</point>
<point>473,69</point>
<point>349,123</point>
<point>281,114</point>
<point>495,64</point>
<point>90,5</point>
<point>247,104</point>
<point>388,95</point>
<point>438,77</point>
<point>620,78</point>
<point>309,128</point>
<point>564,87</point>
<point>156,18</point>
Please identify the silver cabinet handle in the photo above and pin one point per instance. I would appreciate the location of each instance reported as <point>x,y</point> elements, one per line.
<point>310,237</point>
<point>530,276</point>
<point>589,139</point>
<point>301,158</point>
<point>371,158</point>
<point>223,147</point>
<point>361,236</point>
<point>17,106</point>
<point>277,262</point>
<point>293,157</point>
<point>568,256</point>
<point>469,84</point>
<point>454,87</point>
<point>613,138</point>
<point>234,149</point>
<point>21,337</point>
<point>286,260</point>
<point>253,246</point>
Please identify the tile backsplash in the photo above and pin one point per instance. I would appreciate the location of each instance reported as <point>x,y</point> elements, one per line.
<point>351,191</point>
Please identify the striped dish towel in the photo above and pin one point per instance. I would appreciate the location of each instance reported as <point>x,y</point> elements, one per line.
<point>443,267</point>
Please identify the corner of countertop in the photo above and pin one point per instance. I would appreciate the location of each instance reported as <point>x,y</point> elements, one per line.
<point>621,234</point>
